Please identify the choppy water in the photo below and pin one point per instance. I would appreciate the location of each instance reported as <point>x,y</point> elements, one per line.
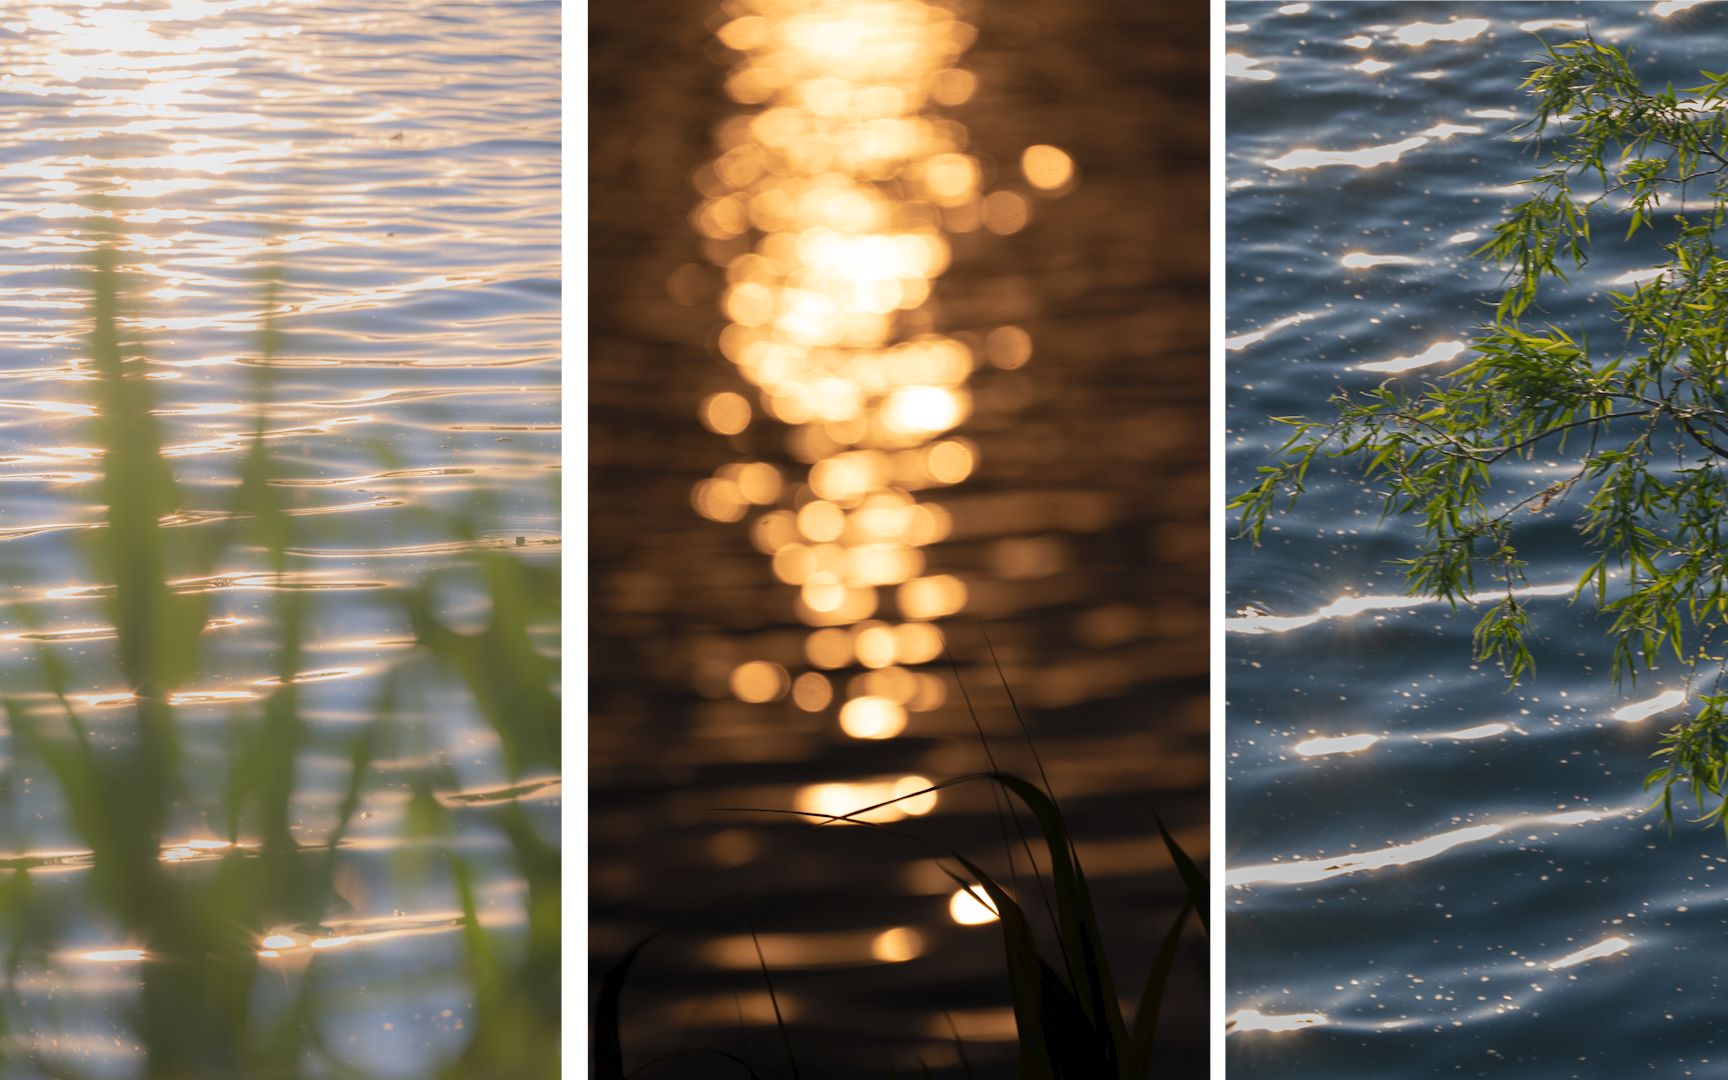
<point>1430,875</point>
<point>395,165</point>
<point>1074,531</point>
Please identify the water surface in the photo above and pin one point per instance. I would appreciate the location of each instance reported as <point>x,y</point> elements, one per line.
<point>1429,874</point>
<point>393,167</point>
<point>1069,492</point>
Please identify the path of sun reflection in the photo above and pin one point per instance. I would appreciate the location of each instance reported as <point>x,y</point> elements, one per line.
<point>1300,871</point>
<point>830,206</point>
<point>1254,621</point>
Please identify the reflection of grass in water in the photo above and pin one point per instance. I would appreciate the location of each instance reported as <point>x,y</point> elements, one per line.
<point>205,1008</point>
<point>1067,1016</point>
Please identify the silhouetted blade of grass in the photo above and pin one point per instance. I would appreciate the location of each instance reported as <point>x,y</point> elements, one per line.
<point>1068,1028</point>
<point>721,1054</point>
<point>608,1046</point>
<point>1191,875</point>
<point>1078,1050</point>
<point>1025,979</point>
<point>1088,970</point>
<point>959,1045</point>
<point>1152,1000</point>
<point>774,1000</point>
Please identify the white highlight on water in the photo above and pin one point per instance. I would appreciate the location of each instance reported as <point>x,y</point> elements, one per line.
<point>1643,710</point>
<point>1245,1020</point>
<point>1242,341</point>
<point>1238,66</point>
<point>1307,871</point>
<point>1605,947</point>
<point>1440,352</point>
<point>1368,157</point>
<point>1418,34</point>
<point>1337,744</point>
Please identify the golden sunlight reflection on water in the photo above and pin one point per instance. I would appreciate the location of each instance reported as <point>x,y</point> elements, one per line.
<point>391,171</point>
<point>866,388</point>
<point>970,907</point>
<point>829,206</point>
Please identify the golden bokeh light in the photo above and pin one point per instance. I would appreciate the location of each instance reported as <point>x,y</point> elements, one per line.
<point>828,206</point>
<point>758,681</point>
<point>917,643</point>
<point>874,645</point>
<point>812,692</point>
<point>828,648</point>
<point>821,521</point>
<point>758,483</point>
<point>1006,212</point>
<point>882,801</point>
<point>1008,347</point>
<point>950,461</point>
<point>872,718</point>
<point>971,907</point>
<point>718,499</point>
<point>931,597</point>
<point>897,945</point>
<point>1047,168</point>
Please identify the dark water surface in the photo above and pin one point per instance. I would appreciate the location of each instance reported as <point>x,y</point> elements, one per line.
<point>1462,883</point>
<point>1077,538</point>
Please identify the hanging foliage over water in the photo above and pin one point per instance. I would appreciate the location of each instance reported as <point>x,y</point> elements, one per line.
<point>1639,425</point>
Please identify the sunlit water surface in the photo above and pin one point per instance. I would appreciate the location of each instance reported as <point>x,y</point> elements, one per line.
<point>395,164</point>
<point>883,297</point>
<point>1428,874</point>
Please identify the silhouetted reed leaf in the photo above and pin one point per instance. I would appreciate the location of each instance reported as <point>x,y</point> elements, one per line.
<point>1145,1034</point>
<point>608,1044</point>
<point>1025,975</point>
<point>1082,940</point>
<point>1191,875</point>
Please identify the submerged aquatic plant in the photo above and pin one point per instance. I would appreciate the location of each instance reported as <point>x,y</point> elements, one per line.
<point>203,1008</point>
<point>1640,426</point>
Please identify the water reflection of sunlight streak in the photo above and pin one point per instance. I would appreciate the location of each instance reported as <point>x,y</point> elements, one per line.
<point>1368,157</point>
<point>1606,947</point>
<point>1504,988</point>
<point>1243,1021</point>
<point>830,204</point>
<point>1417,34</point>
<point>1346,607</point>
<point>241,582</point>
<point>1362,260</point>
<point>1664,8</point>
<point>372,930</point>
<point>1639,711</point>
<point>846,948</point>
<point>1337,744</point>
<point>1326,746</point>
<point>1242,341</point>
<point>1238,66</point>
<point>1441,352</point>
<point>1308,871</point>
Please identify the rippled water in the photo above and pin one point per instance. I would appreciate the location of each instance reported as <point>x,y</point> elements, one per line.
<point>1020,367</point>
<point>394,166</point>
<point>1428,874</point>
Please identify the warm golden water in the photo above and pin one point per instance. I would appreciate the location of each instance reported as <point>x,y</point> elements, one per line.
<point>897,297</point>
<point>394,166</point>
<point>830,208</point>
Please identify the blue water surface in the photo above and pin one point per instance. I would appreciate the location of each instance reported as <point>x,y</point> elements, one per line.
<point>1464,882</point>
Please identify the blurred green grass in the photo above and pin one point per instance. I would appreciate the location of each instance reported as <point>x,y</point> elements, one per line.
<point>203,1009</point>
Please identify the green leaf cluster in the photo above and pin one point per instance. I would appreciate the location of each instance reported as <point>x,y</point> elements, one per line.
<point>1639,427</point>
